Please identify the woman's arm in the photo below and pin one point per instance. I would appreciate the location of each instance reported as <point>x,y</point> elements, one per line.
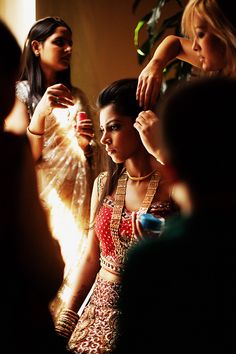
<point>56,96</point>
<point>19,122</point>
<point>150,79</point>
<point>86,274</point>
<point>90,264</point>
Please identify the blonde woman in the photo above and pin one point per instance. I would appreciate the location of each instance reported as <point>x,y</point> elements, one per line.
<point>209,44</point>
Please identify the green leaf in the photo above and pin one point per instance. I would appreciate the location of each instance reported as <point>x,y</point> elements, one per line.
<point>139,26</point>
<point>143,51</point>
<point>155,32</point>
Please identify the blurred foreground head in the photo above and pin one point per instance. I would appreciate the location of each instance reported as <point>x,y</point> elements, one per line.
<point>9,67</point>
<point>198,134</point>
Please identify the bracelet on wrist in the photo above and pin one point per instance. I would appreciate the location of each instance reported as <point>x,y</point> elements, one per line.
<point>38,135</point>
<point>66,323</point>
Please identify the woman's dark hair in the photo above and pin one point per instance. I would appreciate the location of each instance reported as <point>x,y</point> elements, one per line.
<point>30,66</point>
<point>122,95</point>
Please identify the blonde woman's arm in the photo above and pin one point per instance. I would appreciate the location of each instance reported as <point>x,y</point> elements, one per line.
<point>150,78</point>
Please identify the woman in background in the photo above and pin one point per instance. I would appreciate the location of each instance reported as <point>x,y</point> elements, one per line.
<point>209,44</point>
<point>66,154</point>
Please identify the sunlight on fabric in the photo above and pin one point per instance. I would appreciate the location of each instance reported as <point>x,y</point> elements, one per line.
<point>64,191</point>
<point>63,117</point>
<point>66,230</point>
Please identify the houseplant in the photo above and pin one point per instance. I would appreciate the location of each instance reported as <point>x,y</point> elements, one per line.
<point>156,26</point>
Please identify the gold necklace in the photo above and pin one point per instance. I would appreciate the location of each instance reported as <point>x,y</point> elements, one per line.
<point>140,178</point>
<point>122,246</point>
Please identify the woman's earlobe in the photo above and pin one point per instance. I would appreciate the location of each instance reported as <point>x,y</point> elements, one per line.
<point>35,48</point>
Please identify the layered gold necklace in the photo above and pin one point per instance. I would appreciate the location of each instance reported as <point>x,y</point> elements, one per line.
<point>121,246</point>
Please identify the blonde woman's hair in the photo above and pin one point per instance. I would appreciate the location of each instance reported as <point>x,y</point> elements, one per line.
<point>220,17</point>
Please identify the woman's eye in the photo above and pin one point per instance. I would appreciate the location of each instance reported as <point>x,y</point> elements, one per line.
<point>110,128</point>
<point>59,42</point>
<point>114,127</point>
<point>200,34</point>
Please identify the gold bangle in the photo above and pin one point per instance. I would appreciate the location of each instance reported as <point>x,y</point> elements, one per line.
<point>66,323</point>
<point>38,135</point>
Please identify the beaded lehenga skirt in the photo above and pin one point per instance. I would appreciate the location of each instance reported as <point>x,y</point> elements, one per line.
<point>97,329</point>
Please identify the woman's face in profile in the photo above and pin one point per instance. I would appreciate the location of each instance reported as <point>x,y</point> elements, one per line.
<point>119,136</point>
<point>55,52</point>
<point>210,49</point>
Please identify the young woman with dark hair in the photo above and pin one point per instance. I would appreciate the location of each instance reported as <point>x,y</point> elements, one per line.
<point>133,184</point>
<point>48,108</point>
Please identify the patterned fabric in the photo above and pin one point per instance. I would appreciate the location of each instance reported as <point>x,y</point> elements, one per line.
<point>96,329</point>
<point>63,171</point>
<point>102,227</point>
<point>65,178</point>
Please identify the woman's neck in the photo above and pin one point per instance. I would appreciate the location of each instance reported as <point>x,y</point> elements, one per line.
<point>50,76</point>
<point>138,167</point>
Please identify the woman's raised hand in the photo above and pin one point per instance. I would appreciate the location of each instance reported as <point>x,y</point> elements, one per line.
<point>84,129</point>
<point>147,124</point>
<point>56,96</point>
<point>149,85</point>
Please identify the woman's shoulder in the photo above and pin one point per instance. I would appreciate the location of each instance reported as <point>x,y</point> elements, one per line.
<point>100,181</point>
<point>23,85</point>
<point>22,90</point>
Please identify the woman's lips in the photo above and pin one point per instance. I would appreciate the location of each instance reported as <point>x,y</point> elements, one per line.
<point>110,151</point>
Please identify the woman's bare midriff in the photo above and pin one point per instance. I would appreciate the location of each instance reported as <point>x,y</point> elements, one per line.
<point>109,276</point>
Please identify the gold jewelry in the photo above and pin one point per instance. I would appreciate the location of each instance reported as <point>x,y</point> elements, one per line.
<point>66,323</point>
<point>38,135</point>
<point>141,178</point>
<point>120,245</point>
